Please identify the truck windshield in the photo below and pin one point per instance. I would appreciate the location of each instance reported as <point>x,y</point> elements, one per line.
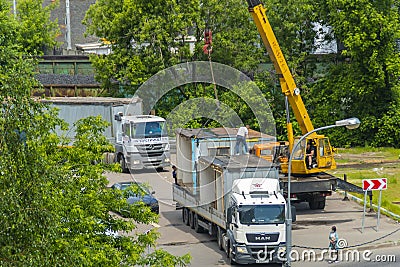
<point>261,214</point>
<point>149,129</point>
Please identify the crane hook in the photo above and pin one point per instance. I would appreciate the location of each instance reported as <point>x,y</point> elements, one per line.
<point>207,48</point>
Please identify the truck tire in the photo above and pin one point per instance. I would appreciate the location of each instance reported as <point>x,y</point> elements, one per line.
<point>191,219</point>
<point>230,255</point>
<point>219,238</point>
<point>321,204</point>
<point>313,203</point>
<point>317,203</point>
<point>197,227</point>
<point>159,169</point>
<point>185,216</point>
<point>122,162</point>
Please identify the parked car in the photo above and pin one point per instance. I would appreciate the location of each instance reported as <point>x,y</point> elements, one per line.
<point>133,197</point>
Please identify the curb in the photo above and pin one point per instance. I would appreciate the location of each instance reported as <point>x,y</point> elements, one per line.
<point>379,245</point>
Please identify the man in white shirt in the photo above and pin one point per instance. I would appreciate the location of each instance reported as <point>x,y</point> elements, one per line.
<point>241,139</point>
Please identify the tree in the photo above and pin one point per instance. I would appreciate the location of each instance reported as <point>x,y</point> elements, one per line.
<point>36,31</point>
<point>365,82</point>
<point>361,81</point>
<point>55,209</point>
<point>142,34</point>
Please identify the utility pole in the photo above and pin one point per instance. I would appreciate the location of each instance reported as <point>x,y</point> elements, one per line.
<point>15,8</point>
<point>68,22</point>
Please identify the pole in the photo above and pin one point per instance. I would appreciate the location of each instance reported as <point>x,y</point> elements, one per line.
<point>289,208</point>
<point>371,209</point>
<point>68,22</point>
<point>365,206</point>
<point>15,8</point>
<point>346,198</point>
<point>379,209</point>
<point>350,124</point>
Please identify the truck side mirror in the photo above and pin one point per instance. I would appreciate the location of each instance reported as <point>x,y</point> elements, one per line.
<point>229,215</point>
<point>293,210</point>
<point>118,117</point>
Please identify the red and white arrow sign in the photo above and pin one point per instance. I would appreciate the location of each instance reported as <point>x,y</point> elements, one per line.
<point>374,184</point>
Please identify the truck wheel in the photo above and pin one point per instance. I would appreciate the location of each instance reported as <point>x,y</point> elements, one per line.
<point>219,238</point>
<point>231,256</point>
<point>159,169</point>
<point>191,219</point>
<point>317,203</point>
<point>185,216</point>
<point>321,204</point>
<point>122,162</point>
<point>197,227</point>
<point>313,203</point>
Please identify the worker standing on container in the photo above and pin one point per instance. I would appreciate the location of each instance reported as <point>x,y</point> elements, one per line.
<point>241,135</point>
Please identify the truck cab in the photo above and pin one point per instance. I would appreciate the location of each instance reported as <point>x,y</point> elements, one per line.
<point>255,231</point>
<point>142,142</point>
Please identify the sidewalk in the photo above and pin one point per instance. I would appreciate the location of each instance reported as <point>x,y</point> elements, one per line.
<point>312,227</point>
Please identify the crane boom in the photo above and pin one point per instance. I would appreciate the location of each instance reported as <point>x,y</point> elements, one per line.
<point>317,155</point>
<point>286,80</point>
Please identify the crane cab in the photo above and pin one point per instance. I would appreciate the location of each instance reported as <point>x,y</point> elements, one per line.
<point>312,155</point>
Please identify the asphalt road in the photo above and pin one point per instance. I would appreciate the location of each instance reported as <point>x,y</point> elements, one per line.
<point>310,231</point>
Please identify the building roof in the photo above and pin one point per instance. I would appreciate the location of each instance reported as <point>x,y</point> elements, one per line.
<point>237,162</point>
<point>223,132</point>
<point>90,100</point>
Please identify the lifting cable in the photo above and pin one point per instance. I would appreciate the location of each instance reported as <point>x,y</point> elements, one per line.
<point>207,49</point>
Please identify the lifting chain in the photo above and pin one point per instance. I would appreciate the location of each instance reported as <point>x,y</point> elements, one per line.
<point>207,49</point>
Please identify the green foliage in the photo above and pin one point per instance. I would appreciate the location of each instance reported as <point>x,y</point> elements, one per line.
<point>365,84</point>
<point>360,82</point>
<point>389,128</point>
<point>36,30</point>
<point>55,208</point>
<point>142,35</point>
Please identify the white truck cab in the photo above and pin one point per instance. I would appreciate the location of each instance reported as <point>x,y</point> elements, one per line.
<point>255,231</point>
<point>142,142</point>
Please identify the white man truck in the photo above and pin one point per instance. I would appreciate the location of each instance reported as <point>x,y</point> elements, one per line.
<point>142,142</point>
<point>237,198</point>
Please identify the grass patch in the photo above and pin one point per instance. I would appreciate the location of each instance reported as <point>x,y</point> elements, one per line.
<point>375,163</point>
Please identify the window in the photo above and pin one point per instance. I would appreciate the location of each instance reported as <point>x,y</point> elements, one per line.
<point>261,214</point>
<point>148,129</point>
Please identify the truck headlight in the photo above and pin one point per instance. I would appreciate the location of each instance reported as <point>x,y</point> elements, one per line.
<point>136,162</point>
<point>166,160</point>
<point>241,249</point>
<point>281,251</point>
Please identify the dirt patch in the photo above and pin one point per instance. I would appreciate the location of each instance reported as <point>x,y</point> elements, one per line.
<point>365,160</point>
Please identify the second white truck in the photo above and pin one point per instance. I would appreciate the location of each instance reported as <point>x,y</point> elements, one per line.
<point>142,142</point>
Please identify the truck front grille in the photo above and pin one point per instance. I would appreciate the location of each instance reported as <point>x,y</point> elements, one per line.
<point>151,150</point>
<point>262,237</point>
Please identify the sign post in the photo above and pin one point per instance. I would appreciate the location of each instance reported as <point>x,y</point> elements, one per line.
<point>365,205</point>
<point>370,185</point>
<point>379,210</point>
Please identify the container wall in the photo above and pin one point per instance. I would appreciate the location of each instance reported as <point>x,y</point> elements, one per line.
<point>207,185</point>
<point>184,160</point>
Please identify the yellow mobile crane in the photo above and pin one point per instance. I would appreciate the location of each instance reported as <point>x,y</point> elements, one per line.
<point>323,156</point>
<point>310,182</point>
